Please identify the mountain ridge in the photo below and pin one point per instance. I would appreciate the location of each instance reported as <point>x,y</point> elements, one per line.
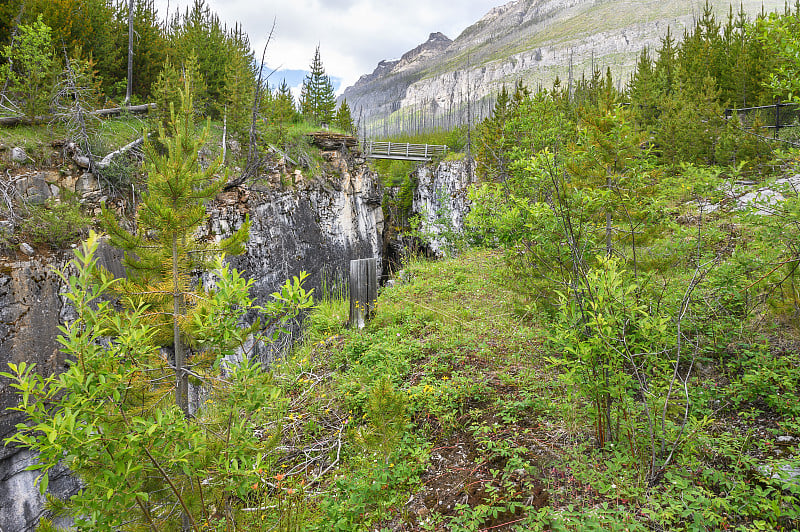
<point>529,40</point>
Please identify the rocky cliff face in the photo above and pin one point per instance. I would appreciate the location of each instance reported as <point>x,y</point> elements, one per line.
<point>533,41</point>
<point>316,225</point>
<point>382,91</point>
<point>441,202</point>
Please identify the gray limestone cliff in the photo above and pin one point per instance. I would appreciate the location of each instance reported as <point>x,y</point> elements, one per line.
<point>315,225</point>
<point>441,202</point>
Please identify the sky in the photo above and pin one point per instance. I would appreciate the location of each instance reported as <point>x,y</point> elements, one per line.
<point>353,35</point>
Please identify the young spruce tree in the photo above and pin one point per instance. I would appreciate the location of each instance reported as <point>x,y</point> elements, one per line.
<point>317,100</point>
<point>165,249</point>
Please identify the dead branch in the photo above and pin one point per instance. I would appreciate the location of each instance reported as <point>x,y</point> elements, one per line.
<point>252,153</point>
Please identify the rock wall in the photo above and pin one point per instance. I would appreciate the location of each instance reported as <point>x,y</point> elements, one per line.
<point>441,201</point>
<point>315,225</point>
<point>30,311</point>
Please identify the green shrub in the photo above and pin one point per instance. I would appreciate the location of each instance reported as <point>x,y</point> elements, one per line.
<point>55,224</point>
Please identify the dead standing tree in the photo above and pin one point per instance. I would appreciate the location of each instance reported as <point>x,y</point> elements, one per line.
<point>129,88</point>
<point>253,158</point>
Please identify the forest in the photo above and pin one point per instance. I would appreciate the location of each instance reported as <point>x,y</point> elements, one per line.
<point>611,342</point>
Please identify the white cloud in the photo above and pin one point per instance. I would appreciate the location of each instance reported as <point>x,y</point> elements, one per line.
<point>353,35</point>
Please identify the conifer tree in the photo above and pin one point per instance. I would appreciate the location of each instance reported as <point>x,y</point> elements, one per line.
<point>239,82</point>
<point>317,102</point>
<point>492,144</point>
<point>643,91</point>
<point>285,110</point>
<point>165,248</point>
<point>665,66</point>
<point>344,118</point>
<point>167,88</point>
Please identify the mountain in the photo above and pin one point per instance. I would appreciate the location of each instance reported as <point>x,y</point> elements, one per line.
<point>529,40</point>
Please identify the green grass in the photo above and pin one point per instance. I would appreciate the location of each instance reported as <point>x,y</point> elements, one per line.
<point>451,410</point>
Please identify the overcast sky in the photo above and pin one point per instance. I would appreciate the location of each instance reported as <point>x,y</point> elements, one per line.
<point>353,34</point>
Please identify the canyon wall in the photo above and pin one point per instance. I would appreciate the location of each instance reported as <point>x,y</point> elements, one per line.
<point>315,225</point>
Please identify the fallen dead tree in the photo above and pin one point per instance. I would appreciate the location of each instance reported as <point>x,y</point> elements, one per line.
<point>84,162</point>
<point>115,111</point>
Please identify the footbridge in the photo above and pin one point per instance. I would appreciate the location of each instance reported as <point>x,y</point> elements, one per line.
<point>403,151</point>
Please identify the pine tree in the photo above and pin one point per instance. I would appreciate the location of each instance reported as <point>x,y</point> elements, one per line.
<point>285,110</point>
<point>643,91</point>
<point>344,118</point>
<point>239,83</point>
<point>492,145</point>
<point>167,88</point>
<point>664,70</point>
<point>165,249</point>
<point>317,102</point>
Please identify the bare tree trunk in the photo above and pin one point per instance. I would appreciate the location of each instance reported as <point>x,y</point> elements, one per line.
<point>224,134</point>
<point>130,54</point>
<point>181,380</point>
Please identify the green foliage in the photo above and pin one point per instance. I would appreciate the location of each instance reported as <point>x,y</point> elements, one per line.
<point>343,119</point>
<point>166,247</point>
<point>317,102</point>
<point>200,35</point>
<point>105,417</point>
<point>55,223</point>
<point>167,88</point>
<point>779,34</point>
<point>82,28</point>
<point>28,71</point>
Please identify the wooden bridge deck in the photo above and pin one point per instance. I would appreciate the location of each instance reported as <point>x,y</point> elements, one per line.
<point>403,151</point>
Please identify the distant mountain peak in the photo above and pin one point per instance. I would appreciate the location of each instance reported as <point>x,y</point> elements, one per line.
<point>533,41</point>
<point>437,42</point>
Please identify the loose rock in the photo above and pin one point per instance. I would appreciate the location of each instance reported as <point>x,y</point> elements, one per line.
<point>18,155</point>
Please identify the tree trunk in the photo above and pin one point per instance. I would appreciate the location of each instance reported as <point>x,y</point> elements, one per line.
<point>181,381</point>
<point>130,54</point>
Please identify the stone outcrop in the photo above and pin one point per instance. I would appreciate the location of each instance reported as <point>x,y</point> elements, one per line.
<point>441,202</point>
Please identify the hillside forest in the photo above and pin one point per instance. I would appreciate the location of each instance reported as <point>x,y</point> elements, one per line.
<point>611,342</point>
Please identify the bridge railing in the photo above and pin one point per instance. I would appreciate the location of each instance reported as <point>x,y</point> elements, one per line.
<point>403,150</point>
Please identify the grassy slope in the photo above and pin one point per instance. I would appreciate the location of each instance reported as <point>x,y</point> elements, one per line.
<point>447,412</point>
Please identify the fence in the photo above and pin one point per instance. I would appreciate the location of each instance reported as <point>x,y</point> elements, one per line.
<point>775,117</point>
